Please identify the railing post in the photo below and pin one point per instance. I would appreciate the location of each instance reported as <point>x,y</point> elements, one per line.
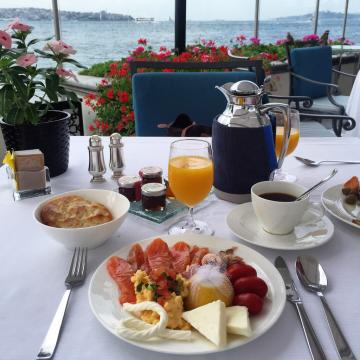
<point>316,16</point>
<point>56,19</point>
<point>345,19</point>
<point>180,26</point>
<point>257,9</point>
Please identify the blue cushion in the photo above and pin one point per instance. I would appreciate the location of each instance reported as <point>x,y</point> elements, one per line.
<point>314,63</point>
<point>158,98</point>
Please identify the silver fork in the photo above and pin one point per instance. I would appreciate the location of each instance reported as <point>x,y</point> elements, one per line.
<point>75,277</point>
<point>309,162</point>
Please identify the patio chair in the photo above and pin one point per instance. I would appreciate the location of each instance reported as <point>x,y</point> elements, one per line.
<point>159,97</point>
<point>311,72</point>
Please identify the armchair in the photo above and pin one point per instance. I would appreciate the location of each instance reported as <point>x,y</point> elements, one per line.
<point>310,72</point>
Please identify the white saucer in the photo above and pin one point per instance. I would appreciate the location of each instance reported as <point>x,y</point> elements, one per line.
<point>309,234</point>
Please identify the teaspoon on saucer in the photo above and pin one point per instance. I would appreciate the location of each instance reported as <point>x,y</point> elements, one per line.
<point>313,277</point>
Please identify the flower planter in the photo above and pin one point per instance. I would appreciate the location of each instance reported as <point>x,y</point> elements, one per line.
<point>51,136</point>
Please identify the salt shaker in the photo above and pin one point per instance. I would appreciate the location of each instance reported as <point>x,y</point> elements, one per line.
<point>97,166</point>
<point>116,155</point>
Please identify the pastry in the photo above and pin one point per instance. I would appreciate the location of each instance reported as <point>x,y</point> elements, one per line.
<point>74,211</point>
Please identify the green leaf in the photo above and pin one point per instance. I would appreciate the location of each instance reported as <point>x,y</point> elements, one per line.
<point>15,116</point>
<point>19,82</point>
<point>32,115</point>
<point>6,99</point>
<point>74,62</point>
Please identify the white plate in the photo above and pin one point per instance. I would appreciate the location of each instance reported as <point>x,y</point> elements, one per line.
<point>243,223</point>
<point>103,298</point>
<point>332,199</point>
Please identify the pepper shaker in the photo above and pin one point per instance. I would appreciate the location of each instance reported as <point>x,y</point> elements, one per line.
<point>116,155</point>
<point>97,166</point>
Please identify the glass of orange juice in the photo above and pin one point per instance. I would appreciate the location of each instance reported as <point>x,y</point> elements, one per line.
<point>191,176</point>
<point>293,141</point>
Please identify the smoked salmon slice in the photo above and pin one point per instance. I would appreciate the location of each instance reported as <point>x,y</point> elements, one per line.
<point>181,256</point>
<point>121,271</point>
<point>158,255</point>
<point>136,257</point>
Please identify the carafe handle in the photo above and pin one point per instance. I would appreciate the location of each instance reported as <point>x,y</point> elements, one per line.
<point>285,110</point>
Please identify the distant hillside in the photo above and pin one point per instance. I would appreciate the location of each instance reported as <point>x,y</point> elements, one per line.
<point>328,15</point>
<point>46,14</point>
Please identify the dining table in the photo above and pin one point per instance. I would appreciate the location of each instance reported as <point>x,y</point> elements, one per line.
<point>34,266</point>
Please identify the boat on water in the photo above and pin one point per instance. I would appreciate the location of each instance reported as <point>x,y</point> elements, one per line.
<point>144,19</point>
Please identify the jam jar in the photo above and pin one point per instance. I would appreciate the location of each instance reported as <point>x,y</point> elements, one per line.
<point>151,174</point>
<point>153,196</point>
<point>130,187</point>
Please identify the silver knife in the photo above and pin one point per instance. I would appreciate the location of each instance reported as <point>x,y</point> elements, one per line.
<point>292,295</point>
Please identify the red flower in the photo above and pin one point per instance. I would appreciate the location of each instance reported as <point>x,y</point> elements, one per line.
<point>162,48</point>
<point>122,73</point>
<point>142,41</point>
<point>139,50</point>
<point>91,128</point>
<point>131,116</point>
<point>110,93</point>
<point>119,126</point>
<point>113,68</point>
<point>123,96</point>
<point>168,70</point>
<point>104,82</point>
<point>123,108</point>
<point>97,123</point>
<point>100,101</point>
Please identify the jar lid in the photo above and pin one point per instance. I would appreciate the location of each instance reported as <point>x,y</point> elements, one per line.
<point>153,189</point>
<point>150,171</point>
<point>128,181</point>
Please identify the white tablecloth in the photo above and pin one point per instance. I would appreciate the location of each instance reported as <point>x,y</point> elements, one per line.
<point>33,266</point>
<point>353,107</point>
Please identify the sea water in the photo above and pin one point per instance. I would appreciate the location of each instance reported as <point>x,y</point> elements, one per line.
<point>111,40</point>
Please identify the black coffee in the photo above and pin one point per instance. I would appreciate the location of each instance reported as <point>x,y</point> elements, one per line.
<point>278,197</point>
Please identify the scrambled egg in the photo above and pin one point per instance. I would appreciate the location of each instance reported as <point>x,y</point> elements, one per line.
<point>145,290</point>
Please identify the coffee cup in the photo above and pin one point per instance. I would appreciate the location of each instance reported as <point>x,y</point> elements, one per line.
<point>276,209</point>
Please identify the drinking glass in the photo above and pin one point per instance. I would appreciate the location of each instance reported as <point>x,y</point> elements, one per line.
<point>191,176</point>
<point>281,175</point>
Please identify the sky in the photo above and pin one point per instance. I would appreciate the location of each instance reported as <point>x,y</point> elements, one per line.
<point>196,9</point>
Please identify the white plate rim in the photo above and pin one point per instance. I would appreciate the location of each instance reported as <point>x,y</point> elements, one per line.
<point>328,222</point>
<point>277,282</point>
<point>330,189</point>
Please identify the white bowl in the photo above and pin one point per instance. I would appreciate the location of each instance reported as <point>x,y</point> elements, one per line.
<point>91,236</point>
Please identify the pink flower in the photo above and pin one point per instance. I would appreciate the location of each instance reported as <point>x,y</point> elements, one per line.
<point>311,37</point>
<point>281,41</point>
<point>26,60</point>
<point>17,25</point>
<point>241,38</point>
<point>205,58</point>
<point>65,73</point>
<point>196,50</point>
<point>163,48</point>
<point>142,41</point>
<point>5,39</point>
<point>59,47</point>
<point>348,42</point>
<point>255,40</point>
<point>139,50</point>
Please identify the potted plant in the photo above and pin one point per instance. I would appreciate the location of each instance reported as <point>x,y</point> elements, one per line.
<point>28,92</point>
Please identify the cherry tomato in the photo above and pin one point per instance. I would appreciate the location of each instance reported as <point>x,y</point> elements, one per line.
<point>239,270</point>
<point>253,302</point>
<point>251,284</point>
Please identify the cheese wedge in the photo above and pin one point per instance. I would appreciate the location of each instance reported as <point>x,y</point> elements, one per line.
<point>210,321</point>
<point>237,319</point>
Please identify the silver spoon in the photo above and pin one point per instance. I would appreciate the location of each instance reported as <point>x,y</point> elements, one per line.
<point>307,192</point>
<point>314,163</point>
<point>313,277</point>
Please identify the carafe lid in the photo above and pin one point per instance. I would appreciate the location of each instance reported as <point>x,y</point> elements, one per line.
<point>245,88</point>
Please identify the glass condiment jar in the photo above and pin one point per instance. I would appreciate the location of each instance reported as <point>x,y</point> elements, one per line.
<point>153,196</point>
<point>169,194</point>
<point>151,174</point>
<point>130,187</point>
